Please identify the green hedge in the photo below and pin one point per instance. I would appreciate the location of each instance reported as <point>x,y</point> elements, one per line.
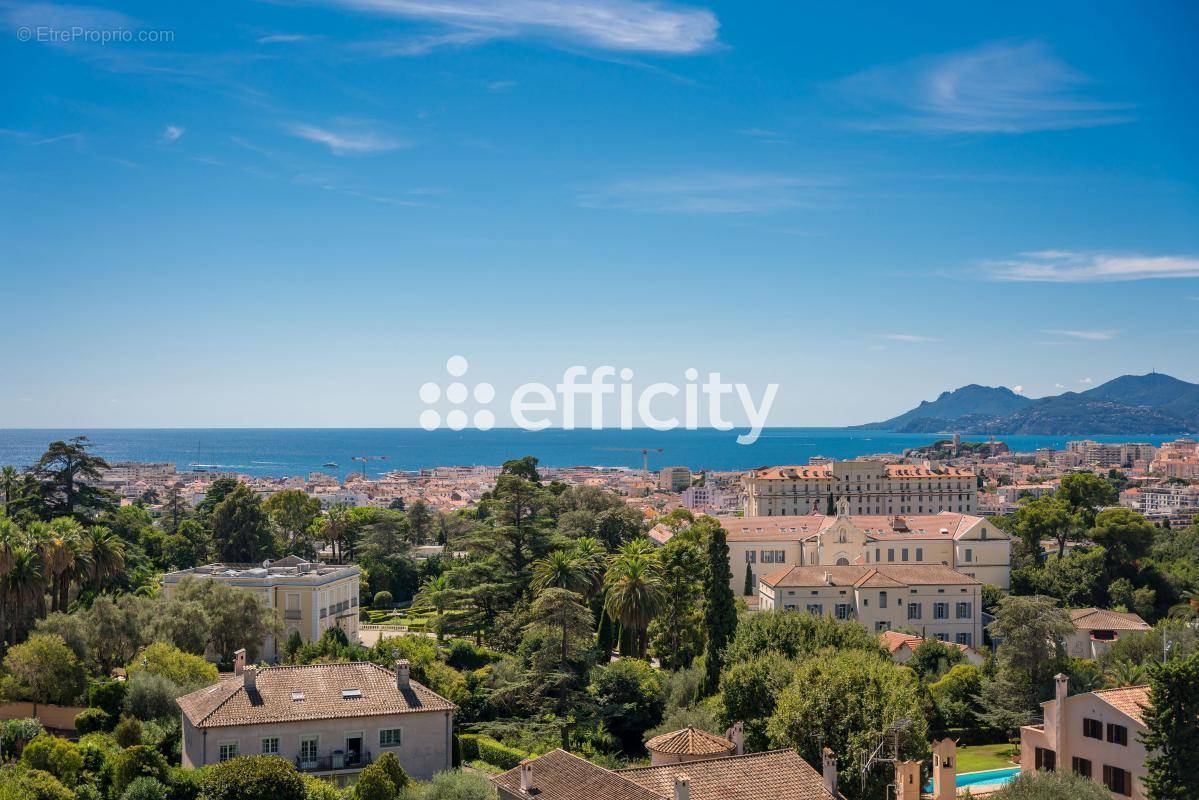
<point>501,755</point>
<point>468,744</point>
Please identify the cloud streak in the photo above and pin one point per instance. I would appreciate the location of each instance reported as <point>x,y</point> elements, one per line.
<point>704,193</point>
<point>173,132</point>
<point>1062,266</point>
<point>911,338</point>
<point>1001,87</point>
<point>1090,336</point>
<point>621,25</point>
<point>348,141</point>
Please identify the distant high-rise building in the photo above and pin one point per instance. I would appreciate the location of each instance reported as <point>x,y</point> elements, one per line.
<point>674,479</point>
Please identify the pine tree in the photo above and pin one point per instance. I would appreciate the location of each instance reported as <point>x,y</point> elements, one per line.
<point>1173,737</point>
<point>749,579</point>
<point>720,610</point>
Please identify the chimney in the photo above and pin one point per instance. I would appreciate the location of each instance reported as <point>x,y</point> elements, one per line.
<point>403,670</point>
<point>828,579</point>
<point>1061,691</point>
<point>239,661</point>
<point>736,735</point>
<point>249,674</point>
<point>830,772</point>
<point>526,775</point>
<point>682,787</point>
<point>907,780</point>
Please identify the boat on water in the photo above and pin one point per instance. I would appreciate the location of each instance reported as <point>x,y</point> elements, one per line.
<point>329,464</point>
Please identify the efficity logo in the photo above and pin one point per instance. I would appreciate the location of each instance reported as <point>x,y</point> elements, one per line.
<point>606,392</point>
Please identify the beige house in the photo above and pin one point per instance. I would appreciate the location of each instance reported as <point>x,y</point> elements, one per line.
<point>969,544</point>
<point>327,719</point>
<point>867,487</point>
<point>1097,629</point>
<point>937,601</point>
<point>310,596</point>
<point>901,646</point>
<point>1097,735</point>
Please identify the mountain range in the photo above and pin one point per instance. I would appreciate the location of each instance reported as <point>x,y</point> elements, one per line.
<point>1144,404</point>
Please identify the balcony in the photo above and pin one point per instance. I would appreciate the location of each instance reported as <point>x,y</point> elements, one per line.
<point>337,760</point>
<point>291,613</point>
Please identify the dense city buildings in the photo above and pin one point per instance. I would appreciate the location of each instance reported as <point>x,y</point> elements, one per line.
<point>868,487</point>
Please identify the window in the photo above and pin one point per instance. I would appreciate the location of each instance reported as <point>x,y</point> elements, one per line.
<point>1046,759</point>
<point>966,639</point>
<point>308,748</point>
<point>843,611</point>
<point>890,553</point>
<point>1092,728</point>
<point>780,556</point>
<point>965,610</point>
<point>351,694</point>
<point>969,555</point>
<point>1117,734</point>
<point>882,599</point>
<point>940,610</point>
<point>881,626</point>
<point>815,608</point>
<point>919,553</point>
<point>915,610</point>
<point>751,556</point>
<point>903,554</point>
<point>297,697</point>
<point>878,555</point>
<point>1117,780</point>
<point>942,637</point>
<point>390,737</point>
<point>1082,766</point>
<point>226,751</point>
<point>767,556</point>
<point>270,746</point>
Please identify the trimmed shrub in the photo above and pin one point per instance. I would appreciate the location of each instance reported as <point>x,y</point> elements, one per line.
<point>458,786</point>
<point>55,755</point>
<point>137,762</point>
<point>468,746</point>
<point>184,784</point>
<point>145,789</point>
<point>92,720</point>
<point>382,600</point>
<point>373,784</point>
<point>253,778</point>
<point>393,769</point>
<point>501,755</point>
<point>318,789</point>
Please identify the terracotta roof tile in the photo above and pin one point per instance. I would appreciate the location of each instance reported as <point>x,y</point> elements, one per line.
<point>777,775</point>
<point>559,775</point>
<point>277,693</point>
<point>890,575</point>
<point>1130,700</point>
<point>1104,620</point>
<point>690,742</point>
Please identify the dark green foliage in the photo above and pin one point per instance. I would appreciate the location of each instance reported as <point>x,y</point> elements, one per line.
<point>630,699</point>
<point>931,659</point>
<point>92,720</point>
<point>1052,786</point>
<point>108,695</point>
<point>1173,733</point>
<point>720,609</point>
<point>128,731</point>
<point>240,529</point>
<point>749,691</point>
<point>145,789</point>
<point>22,783</point>
<point>382,600</point>
<point>497,754</point>
<point>253,778</point>
<point>796,636</point>
<point>135,762</point>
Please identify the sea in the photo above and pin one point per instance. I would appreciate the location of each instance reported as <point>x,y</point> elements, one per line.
<point>283,452</point>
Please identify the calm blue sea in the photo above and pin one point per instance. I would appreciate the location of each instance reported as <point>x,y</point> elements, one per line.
<point>280,451</point>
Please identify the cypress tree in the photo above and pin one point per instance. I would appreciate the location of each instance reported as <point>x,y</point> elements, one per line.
<point>1173,737</point>
<point>830,509</point>
<point>720,610</point>
<point>749,580</point>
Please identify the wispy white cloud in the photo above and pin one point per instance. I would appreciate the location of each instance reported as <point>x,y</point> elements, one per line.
<point>1090,336</point>
<point>1018,389</point>
<point>705,193</point>
<point>286,38</point>
<point>1086,381</point>
<point>172,133</point>
<point>64,137</point>
<point>1060,266</point>
<point>766,136</point>
<point>500,86</point>
<point>1059,386</point>
<point>624,25</point>
<point>355,139</point>
<point>1000,87</point>
<point>908,337</point>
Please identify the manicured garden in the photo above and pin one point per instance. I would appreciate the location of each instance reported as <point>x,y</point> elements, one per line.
<point>985,756</point>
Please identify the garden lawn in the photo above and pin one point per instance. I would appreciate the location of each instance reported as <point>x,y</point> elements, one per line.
<point>985,756</point>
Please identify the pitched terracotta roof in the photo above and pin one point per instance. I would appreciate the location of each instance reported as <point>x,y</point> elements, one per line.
<point>777,775</point>
<point>559,775</point>
<point>877,527</point>
<point>690,742</point>
<point>1130,700</point>
<point>1101,619</point>
<point>893,640</point>
<point>810,472</point>
<point>890,575</point>
<point>312,691</point>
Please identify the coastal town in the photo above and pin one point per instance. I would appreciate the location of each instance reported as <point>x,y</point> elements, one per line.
<point>368,656</point>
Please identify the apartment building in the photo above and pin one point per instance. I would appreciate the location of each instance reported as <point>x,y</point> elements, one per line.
<point>310,596</point>
<point>867,487</point>
<point>970,544</point>
<point>1089,453</point>
<point>331,720</point>
<point>937,601</point>
<point>674,479</point>
<point>1096,735</point>
<point>1177,459</point>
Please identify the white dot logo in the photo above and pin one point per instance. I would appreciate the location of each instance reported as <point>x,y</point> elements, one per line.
<point>457,393</point>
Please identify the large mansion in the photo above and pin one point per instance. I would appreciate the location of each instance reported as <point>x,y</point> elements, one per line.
<point>867,487</point>
<point>971,545</point>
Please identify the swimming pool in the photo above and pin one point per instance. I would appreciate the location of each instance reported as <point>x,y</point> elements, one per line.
<point>984,778</point>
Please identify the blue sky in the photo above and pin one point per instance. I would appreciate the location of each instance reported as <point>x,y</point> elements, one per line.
<point>294,212</point>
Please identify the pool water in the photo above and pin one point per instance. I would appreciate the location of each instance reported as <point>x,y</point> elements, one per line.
<point>986,777</point>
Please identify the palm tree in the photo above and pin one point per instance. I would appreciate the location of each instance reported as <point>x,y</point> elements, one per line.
<point>633,593</point>
<point>60,557</point>
<point>335,528</point>
<point>9,541</point>
<point>1126,673</point>
<point>104,556</point>
<point>8,483</point>
<point>590,556</point>
<point>560,570</point>
<point>23,588</point>
<point>436,593</point>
